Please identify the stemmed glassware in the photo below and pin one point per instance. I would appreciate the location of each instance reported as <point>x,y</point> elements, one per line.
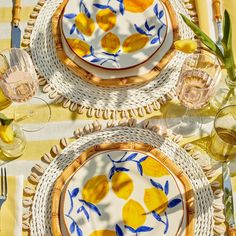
<point>198,78</point>
<point>19,83</point>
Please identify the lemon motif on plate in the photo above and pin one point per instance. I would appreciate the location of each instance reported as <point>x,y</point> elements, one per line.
<point>122,185</point>
<point>137,5</point>
<point>80,47</point>
<point>95,189</point>
<point>154,168</point>
<point>134,43</point>
<point>119,186</point>
<point>133,214</point>
<point>84,24</point>
<point>155,200</point>
<point>106,19</point>
<point>110,43</point>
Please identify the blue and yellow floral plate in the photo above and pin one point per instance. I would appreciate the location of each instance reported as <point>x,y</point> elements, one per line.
<point>122,189</point>
<point>114,34</point>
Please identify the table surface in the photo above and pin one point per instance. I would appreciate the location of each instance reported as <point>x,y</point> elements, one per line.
<point>63,122</point>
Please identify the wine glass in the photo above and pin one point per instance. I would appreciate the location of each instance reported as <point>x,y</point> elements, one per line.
<point>222,148</point>
<point>198,78</point>
<point>19,83</point>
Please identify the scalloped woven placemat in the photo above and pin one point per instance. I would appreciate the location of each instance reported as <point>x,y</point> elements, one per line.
<point>40,205</point>
<point>66,88</point>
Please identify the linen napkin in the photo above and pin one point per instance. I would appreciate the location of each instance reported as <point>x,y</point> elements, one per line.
<point>11,211</point>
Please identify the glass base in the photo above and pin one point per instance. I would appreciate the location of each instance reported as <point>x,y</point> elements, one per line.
<point>181,120</point>
<point>33,115</point>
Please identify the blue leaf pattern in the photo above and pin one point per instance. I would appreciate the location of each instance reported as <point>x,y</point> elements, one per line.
<point>72,30</point>
<point>80,35</point>
<point>156,185</point>
<point>144,229</point>
<point>72,227</point>
<point>166,187</point>
<point>139,30</point>
<point>152,27</point>
<point>71,203</point>
<point>147,25</point>
<point>92,207</point>
<point>143,158</point>
<point>156,216</point>
<point>70,15</point>
<point>122,8</point>
<point>100,6</point>
<point>154,40</point>
<point>130,229</point>
<point>74,192</point>
<point>174,202</point>
<point>78,231</point>
<point>131,156</point>
<point>119,231</point>
<point>112,172</point>
<point>140,168</point>
<point>96,60</point>
<point>155,9</point>
<point>161,14</point>
<point>86,11</point>
<point>85,213</point>
<point>121,169</point>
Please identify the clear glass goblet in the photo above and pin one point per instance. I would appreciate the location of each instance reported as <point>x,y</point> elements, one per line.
<point>198,78</point>
<point>19,83</point>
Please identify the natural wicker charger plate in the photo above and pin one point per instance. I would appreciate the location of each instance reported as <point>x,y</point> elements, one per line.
<point>82,160</point>
<point>113,82</point>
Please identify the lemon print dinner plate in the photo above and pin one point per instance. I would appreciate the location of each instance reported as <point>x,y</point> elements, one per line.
<point>114,34</point>
<point>116,190</point>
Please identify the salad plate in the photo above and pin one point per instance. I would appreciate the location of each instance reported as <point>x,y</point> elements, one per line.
<point>113,77</point>
<point>122,189</point>
<point>114,34</point>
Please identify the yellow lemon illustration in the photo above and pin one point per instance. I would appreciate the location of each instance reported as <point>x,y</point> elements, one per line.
<point>110,43</point>
<point>186,45</point>
<point>122,185</point>
<point>79,47</point>
<point>137,5</point>
<point>133,214</point>
<point>134,43</point>
<point>95,189</point>
<point>155,200</point>
<point>6,133</point>
<point>106,19</point>
<point>103,233</point>
<point>84,24</point>
<point>153,168</point>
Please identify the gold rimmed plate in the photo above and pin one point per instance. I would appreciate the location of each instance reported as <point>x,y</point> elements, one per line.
<point>114,34</point>
<point>141,72</point>
<point>122,189</point>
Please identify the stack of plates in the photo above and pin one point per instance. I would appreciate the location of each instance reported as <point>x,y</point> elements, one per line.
<point>122,189</point>
<point>115,42</point>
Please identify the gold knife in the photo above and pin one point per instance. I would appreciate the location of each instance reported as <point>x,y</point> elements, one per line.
<point>16,32</point>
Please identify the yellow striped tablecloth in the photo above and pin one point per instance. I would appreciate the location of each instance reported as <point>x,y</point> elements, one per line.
<point>62,124</point>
